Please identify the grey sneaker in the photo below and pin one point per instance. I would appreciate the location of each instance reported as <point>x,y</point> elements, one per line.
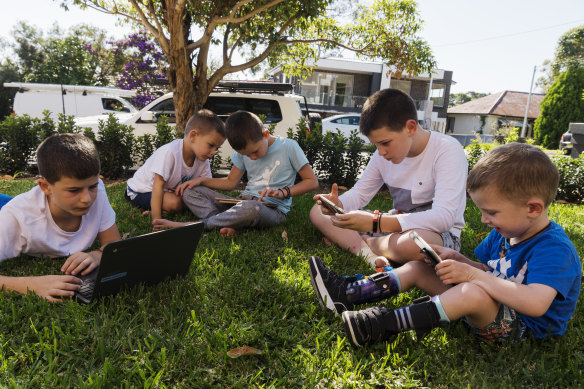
<point>369,325</point>
<point>330,288</point>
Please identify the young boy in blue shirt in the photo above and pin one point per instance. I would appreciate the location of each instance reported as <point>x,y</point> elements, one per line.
<point>271,164</point>
<point>59,217</point>
<point>526,283</point>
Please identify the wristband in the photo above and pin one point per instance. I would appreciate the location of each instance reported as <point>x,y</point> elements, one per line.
<point>287,189</point>
<point>379,222</point>
<point>283,193</point>
<point>375,221</point>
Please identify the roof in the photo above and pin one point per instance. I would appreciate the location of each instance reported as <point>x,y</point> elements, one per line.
<point>506,103</point>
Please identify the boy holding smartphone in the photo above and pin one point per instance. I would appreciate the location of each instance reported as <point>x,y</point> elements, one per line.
<point>527,280</point>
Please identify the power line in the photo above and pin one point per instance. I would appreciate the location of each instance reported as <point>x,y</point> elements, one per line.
<point>508,35</point>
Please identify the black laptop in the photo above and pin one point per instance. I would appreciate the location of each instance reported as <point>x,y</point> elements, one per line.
<point>145,259</point>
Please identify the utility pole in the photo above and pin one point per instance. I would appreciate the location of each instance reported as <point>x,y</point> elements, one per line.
<point>527,106</point>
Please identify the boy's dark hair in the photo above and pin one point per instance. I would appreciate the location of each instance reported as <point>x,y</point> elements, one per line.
<point>243,127</point>
<point>389,108</point>
<point>519,171</point>
<point>205,122</point>
<point>67,155</point>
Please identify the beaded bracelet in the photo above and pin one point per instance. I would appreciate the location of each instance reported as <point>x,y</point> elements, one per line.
<point>287,191</point>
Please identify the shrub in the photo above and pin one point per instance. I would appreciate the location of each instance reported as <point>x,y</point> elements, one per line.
<point>354,159</point>
<point>475,151</point>
<point>18,141</point>
<point>335,158</point>
<point>571,187</point>
<point>115,145</point>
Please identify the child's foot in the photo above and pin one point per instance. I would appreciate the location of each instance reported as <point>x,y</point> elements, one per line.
<point>164,224</point>
<point>380,264</point>
<point>369,325</point>
<point>228,232</point>
<point>330,288</point>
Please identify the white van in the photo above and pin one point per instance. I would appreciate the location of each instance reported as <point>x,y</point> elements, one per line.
<point>265,99</point>
<point>72,100</point>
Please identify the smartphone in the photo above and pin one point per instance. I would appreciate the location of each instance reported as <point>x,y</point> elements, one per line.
<point>330,205</point>
<point>425,247</point>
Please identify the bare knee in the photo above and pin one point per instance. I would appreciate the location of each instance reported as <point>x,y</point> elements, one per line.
<point>404,248</point>
<point>172,203</point>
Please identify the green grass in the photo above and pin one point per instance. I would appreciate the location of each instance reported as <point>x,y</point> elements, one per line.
<point>255,290</point>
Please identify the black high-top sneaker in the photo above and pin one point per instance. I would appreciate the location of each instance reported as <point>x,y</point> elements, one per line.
<point>330,288</point>
<point>378,324</point>
<point>369,325</point>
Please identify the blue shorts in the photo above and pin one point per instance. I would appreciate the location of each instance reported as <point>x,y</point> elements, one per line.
<point>140,200</point>
<point>4,199</point>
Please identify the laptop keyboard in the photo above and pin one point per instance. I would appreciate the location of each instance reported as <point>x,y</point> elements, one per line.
<point>86,290</point>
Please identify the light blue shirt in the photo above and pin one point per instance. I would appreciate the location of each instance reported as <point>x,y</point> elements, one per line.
<point>276,169</point>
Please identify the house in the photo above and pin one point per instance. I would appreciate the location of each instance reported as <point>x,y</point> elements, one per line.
<point>340,85</point>
<point>487,114</point>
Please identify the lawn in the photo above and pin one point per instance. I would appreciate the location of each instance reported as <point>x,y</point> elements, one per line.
<point>255,290</point>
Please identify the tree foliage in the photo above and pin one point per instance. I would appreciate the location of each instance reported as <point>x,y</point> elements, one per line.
<point>280,31</point>
<point>569,54</point>
<point>562,104</point>
<point>464,97</point>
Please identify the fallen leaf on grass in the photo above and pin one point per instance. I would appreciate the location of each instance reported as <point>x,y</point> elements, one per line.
<point>285,236</point>
<point>126,234</point>
<point>4,187</point>
<point>244,350</point>
<point>481,234</point>
<point>6,177</point>
<point>145,213</point>
<point>327,241</point>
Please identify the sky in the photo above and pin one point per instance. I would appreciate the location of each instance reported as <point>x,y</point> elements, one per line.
<point>490,46</point>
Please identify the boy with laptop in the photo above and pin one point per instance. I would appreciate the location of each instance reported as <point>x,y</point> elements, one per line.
<point>271,164</point>
<point>526,283</point>
<point>60,217</point>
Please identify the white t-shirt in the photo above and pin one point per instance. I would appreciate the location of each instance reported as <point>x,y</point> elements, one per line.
<point>27,226</point>
<point>167,161</point>
<point>428,190</point>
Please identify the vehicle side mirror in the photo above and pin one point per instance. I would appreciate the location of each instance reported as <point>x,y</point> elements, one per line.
<point>148,116</point>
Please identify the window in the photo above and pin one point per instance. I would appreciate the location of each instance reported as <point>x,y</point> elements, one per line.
<point>165,108</point>
<point>403,85</point>
<point>225,106</point>
<point>437,95</point>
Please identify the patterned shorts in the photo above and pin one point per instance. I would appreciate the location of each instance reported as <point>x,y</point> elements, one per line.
<point>506,326</point>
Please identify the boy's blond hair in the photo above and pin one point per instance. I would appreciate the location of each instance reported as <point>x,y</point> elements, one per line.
<point>519,171</point>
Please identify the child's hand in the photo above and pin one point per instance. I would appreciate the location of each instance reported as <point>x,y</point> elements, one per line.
<point>454,272</point>
<point>354,220</point>
<point>269,192</point>
<point>53,287</point>
<point>446,253</point>
<point>80,261</point>
<point>333,196</point>
<point>188,184</point>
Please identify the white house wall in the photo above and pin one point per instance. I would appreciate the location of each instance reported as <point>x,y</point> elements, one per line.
<point>470,124</point>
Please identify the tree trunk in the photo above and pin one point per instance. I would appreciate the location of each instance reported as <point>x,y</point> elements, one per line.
<point>180,73</point>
